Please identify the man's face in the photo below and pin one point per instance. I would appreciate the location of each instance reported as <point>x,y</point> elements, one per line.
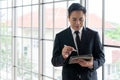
<point>77,19</point>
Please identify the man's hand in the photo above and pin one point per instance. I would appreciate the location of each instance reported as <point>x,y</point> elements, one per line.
<point>85,63</point>
<point>66,51</point>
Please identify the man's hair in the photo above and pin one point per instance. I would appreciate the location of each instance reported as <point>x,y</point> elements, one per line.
<point>76,7</point>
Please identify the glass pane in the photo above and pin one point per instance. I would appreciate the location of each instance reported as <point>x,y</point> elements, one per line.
<point>47,1</point>
<point>47,66</point>
<point>5,49</point>
<point>94,16</point>
<point>27,75</point>
<point>60,16</point>
<point>112,64</point>
<point>19,13</point>
<point>24,53</point>
<point>112,29</point>
<point>68,0</point>
<point>3,22</point>
<point>27,21</point>
<point>5,73</point>
<point>19,74</point>
<point>47,78</point>
<point>3,15</point>
<point>35,56</point>
<point>48,21</point>
<point>35,1</point>
<point>9,2</point>
<point>23,2</point>
<point>19,21</point>
<point>9,22</point>
<point>5,58</point>
<point>19,51</point>
<point>27,54</point>
<point>27,32</point>
<point>35,76</point>
<point>5,29</point>
<point>24,74</point>
<point>58,73</point>
<point>27,2</point>
<point>3,3</point>
<point>19,2</point>
<point>73,1</point>
<point>34,23</point>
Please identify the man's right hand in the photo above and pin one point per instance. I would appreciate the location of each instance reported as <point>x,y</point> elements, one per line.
<point>66,51</point>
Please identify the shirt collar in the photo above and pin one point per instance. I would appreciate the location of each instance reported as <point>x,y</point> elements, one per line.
<point>74,30</point>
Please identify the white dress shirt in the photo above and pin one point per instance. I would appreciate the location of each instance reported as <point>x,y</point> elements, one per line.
<point>74,35</point>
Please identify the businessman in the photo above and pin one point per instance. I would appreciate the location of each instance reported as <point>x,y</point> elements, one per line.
<point>78,37</point>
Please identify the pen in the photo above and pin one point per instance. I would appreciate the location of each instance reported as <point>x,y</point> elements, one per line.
<point>73,48</point>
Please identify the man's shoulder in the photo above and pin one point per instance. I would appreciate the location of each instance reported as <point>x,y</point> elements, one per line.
<point>91,30</point>
<point>63,32</point>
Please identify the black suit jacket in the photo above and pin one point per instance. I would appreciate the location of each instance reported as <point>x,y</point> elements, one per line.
<point>90,43</point>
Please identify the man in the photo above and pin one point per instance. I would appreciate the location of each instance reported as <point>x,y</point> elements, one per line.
<point>66,42</point>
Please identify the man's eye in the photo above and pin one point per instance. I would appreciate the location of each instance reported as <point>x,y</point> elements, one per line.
<point>80,19</point>
<point>74,19</point>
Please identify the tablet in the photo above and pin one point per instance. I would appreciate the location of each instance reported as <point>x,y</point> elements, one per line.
<point>73,59</point>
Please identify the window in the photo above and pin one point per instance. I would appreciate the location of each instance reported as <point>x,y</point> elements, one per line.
<point>28,28</point>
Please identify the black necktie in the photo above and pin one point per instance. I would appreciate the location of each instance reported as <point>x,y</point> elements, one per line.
<point>77,41</point>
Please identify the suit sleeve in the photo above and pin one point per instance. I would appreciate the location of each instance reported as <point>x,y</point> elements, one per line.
<point>57,58</point>
<point>98,54</point>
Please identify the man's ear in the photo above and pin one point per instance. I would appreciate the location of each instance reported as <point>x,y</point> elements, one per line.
<point>68,17</point>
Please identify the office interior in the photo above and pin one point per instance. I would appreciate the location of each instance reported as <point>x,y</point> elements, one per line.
<point>28,29</point>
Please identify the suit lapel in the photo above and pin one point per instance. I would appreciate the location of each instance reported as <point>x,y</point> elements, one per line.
<point>84,35</point>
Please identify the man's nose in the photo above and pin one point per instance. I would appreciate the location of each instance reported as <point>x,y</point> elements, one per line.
<point>77,22</point>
